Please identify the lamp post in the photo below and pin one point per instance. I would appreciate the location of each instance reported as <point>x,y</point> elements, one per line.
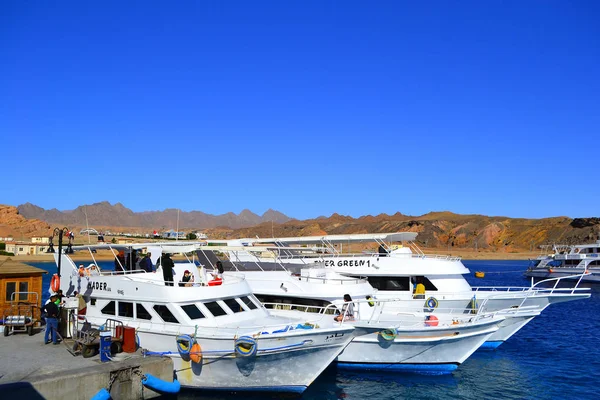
<point>61,233</point>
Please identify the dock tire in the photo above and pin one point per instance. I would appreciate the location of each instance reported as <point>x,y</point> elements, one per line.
<point>6,330</point>
<point>30,330</point>
<point>88,351</point>
<point>116,347</point>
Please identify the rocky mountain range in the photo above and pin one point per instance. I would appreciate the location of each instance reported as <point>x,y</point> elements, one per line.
<point>444,230</point>
<point>104,214</point>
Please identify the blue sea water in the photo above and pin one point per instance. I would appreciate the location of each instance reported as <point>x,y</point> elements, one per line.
<point>554,356</point>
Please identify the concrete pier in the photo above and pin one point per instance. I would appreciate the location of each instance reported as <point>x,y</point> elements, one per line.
<point>30,369</point>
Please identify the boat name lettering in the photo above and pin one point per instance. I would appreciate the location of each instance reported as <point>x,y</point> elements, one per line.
<point>98,286</point>
<point>347,263</point>
<point>335,335</point>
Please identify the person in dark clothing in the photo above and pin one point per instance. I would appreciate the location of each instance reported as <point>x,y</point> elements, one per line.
<point>146,263</point>
<point>167,266</point>
<point>187,280</point>
<point>120,262</point>
<point>51,311</point>
<point>131,262</point>
<point>382,251</point>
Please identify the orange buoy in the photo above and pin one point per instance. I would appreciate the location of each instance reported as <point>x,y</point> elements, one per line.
<point>550,270</point>
<point>431,320</point>
<point>55,283</point>
<point>196,353</point>
<point>479,274</point>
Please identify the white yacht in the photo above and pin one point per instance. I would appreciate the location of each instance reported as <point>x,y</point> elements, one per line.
<point>567,261</point>
<point>398,266</point>
<point>410,341</point>
<point>237,344</point>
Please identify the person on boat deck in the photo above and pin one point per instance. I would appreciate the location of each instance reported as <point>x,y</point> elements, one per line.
<point>120,261</point>
<point>51,310</point>
<point>382,251</point>
<point>146,263</point>
<point>167,267</point>
<point>93,270</point>
<point>347,310</point>
<point>419,291</point>
<point>187,280</point>
<point>218,273</point>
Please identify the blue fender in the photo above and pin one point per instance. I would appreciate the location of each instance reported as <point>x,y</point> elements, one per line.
<point>161,386</point>
<point>103,394</point>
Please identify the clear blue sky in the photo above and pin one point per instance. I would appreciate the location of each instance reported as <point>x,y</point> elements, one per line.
<point>306,107</point>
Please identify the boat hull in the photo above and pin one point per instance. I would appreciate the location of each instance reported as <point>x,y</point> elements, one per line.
<point>436,351</point>
<point>281,364</point>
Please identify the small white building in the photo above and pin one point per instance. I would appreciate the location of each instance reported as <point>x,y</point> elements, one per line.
<point>26,248</point>
<point>44,240</point>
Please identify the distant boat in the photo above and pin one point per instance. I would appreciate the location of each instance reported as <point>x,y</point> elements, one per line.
<point>568,261</point>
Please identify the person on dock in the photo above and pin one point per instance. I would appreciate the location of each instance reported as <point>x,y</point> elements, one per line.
<point>167,266</point>
<point>51,310</point>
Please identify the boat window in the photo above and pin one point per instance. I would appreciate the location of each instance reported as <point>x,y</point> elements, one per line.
<point>192,311</point>
<point>234,305</point>
<point>165,313</point>
<point>125,309</point>
<point>215,309</point>
<point>248,302</point>
<point>428,285</point>
<point>292,300</point>
<point>396,283</point>
<point>109,308</point>
<point>141,312</point>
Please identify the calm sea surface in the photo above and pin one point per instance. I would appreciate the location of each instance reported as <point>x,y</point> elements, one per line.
<point>557,355</point>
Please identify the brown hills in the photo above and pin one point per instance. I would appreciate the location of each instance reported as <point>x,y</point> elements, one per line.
<point>444,230</point>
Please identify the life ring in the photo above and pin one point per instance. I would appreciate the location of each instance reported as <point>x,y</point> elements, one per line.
<point>184,345</point>
<point>431,304</point>
<point>196,353</point>
<point>431,320</point>
<point>55,283</point>
<point>388,334</point>
<point>245,346</point>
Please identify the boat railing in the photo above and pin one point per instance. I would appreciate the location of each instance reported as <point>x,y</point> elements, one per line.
<point>416,318</point>
<point>230,279</point>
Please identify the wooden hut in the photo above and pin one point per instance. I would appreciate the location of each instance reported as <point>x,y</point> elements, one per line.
<point>16,276</point>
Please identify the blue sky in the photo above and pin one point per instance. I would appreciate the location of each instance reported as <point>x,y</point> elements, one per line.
<point>306,107</point>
